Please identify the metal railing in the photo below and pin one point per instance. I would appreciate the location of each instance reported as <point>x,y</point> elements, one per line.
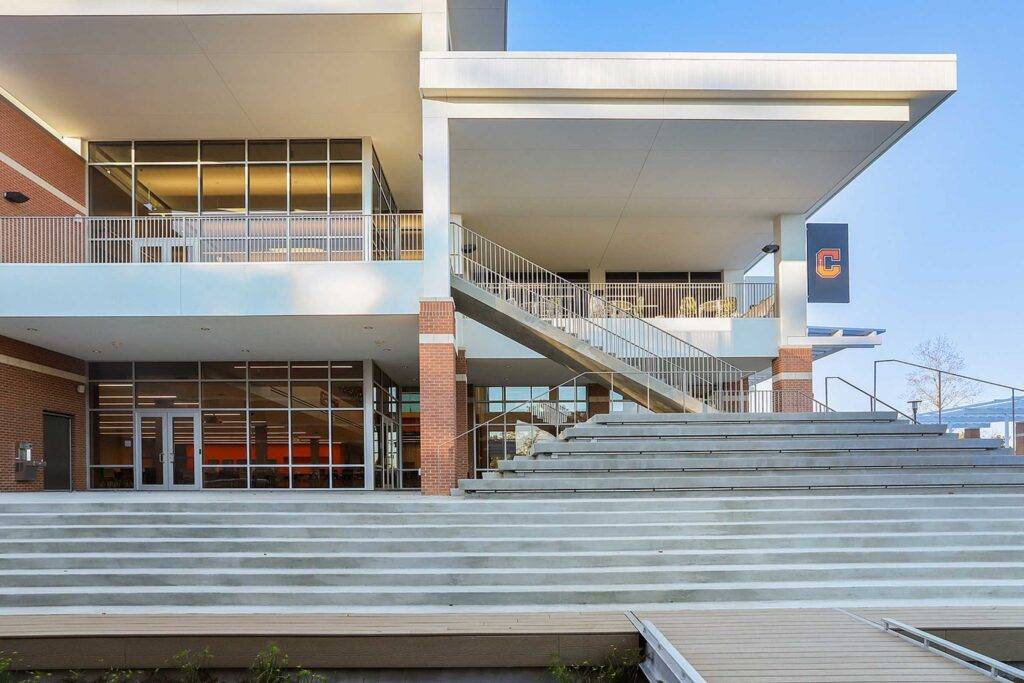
<point>629,338</point>
<point>1013,390</point>
<point>211,239</point>
<point>992,668</point>
<point>873,400</point>
<point>688,299</point>
<point>773,401</point>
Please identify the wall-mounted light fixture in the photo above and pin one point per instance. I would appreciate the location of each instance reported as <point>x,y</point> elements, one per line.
<point>770,248</point>
<point>15,197</point>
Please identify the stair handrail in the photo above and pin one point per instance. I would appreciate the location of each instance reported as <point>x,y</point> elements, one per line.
<point>707,364</point>
<point>874,399</point>
<point>1013,389</point>
<point>540,398</point>
<point>551,300</point>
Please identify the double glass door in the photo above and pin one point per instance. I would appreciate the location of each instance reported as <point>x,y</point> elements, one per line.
<point>167,449</point>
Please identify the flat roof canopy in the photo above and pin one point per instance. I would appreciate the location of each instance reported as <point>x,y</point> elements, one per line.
<point>589,193</point>
<point>168,76</point>
<point>585,160</point>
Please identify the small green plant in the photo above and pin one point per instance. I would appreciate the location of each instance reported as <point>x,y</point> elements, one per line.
<point>620,666</point>
<point>6,661</point>
<point>38,677</point>
<point>120,676</point>
<point>271,666</point>
<point>194,666</point>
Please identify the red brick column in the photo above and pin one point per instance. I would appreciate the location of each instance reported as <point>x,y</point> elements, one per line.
<point>598,400</point>
<point>25,394</point>
<point>462,460</point>
<point>439,471</point>
<point>1018,445</point>
<point>791,372</point>
<point>972,432</point>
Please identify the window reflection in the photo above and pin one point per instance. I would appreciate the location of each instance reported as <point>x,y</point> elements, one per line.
<point>309,187</point>
<point>163,190</point>
<point>268,188</point>
<point>110,190</point>
<point>224,188</point>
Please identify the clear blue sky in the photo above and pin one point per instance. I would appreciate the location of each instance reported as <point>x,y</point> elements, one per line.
<point>936,228</point>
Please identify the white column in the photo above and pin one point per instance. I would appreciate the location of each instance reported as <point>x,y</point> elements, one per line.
<point>367,198</point>
<point>436,201</point>
<point>434,26</point>
<point>791,277</point>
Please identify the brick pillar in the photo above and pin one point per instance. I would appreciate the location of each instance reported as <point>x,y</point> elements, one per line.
<point>598,400</point>
<point>438,466</point>
<point>462,462</point>
<point>791,377</point>
<point>972,432</point>
<point>1018,445</point>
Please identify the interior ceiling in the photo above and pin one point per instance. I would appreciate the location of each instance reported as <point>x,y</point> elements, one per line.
<point>255,76</point>
<point>579,194</point>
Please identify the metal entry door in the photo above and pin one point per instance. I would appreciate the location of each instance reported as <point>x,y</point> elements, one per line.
<point>168,449</point>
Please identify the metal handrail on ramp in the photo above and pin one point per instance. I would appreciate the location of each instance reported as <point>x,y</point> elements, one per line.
<point>663,663</point>
<point>993,668</point>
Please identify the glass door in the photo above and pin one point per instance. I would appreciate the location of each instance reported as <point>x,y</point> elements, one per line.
<point>167,447</point>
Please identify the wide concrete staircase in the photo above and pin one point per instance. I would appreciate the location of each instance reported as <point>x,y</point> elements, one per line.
<point>711,511</point>
<point>243,552</point>
<point>758,451</point>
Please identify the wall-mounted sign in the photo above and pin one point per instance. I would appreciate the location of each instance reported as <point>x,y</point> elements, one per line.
<point>828,263</point>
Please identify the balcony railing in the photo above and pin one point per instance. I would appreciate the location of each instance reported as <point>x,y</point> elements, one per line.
<point>212,239</point>
<point>660,300</point>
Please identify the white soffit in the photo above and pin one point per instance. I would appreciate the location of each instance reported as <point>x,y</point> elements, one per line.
<point>477,24</point>
<point>170,76</point>
<point>579,194</point>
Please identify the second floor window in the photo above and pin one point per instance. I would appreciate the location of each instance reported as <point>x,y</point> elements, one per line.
<point>166,178</point>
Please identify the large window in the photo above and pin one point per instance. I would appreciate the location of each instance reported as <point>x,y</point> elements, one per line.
<point>512,419</point>
<point>265,424</point>
<point>188,177</point>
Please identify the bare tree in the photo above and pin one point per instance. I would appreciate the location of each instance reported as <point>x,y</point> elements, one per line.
<point>924,385</point>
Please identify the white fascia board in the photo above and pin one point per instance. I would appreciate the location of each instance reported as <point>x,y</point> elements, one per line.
<point>120,8</point>
<point>633,109</point>
<point>693,75</point>
<point>840,341</point>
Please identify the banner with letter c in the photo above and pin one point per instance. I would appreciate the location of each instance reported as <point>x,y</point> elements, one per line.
<point>828,263</point>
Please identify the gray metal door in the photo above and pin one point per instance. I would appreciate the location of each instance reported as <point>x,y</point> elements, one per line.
<point>57,452</point>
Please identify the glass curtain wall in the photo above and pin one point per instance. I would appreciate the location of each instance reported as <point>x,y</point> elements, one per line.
<point>525,423</point>
<point>265,424</point>
<point>410,439</point>
<point>226,177</point>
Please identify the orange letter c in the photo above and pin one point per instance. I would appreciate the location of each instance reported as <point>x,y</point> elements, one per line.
<point>827,263</point>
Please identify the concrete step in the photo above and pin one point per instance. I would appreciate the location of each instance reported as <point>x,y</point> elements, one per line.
<point>885,475</point>
<point>584,464</point>
<point>116,577</point>
<point>742,418</point>
<point>761,430</point>
<point>793,510</point>
<point>747,480</point>
<point>525,531</point>
<point>980,535</point>
<point>701,445</point>
<point>667,595</point>
<point>675,558</point>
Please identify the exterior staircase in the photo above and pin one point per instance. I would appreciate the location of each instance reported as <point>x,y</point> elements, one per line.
<point>234,552</point>
<point>568,324</point>
<point>753,452</point>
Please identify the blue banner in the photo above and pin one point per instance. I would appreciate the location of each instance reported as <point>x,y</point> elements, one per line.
<point>828,263</point>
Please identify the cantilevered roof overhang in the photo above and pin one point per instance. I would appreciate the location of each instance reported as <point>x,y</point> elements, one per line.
<point>216,69</point>
<point>665,161</point>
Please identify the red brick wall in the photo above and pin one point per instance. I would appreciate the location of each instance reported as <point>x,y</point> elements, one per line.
<point>439,469</point>
<point>24,396</point>
<point>27,143</point>
<point>462,459</point>
<point>598,400</point>
<point>972,433</point>
<point>793,359</point>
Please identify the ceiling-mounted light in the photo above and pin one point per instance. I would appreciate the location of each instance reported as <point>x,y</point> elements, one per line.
<point>770,248</point>
<point>15,197</point>
<point>468,248</point>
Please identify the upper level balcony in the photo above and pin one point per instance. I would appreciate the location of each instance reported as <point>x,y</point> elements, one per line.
<point>212,239</point>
